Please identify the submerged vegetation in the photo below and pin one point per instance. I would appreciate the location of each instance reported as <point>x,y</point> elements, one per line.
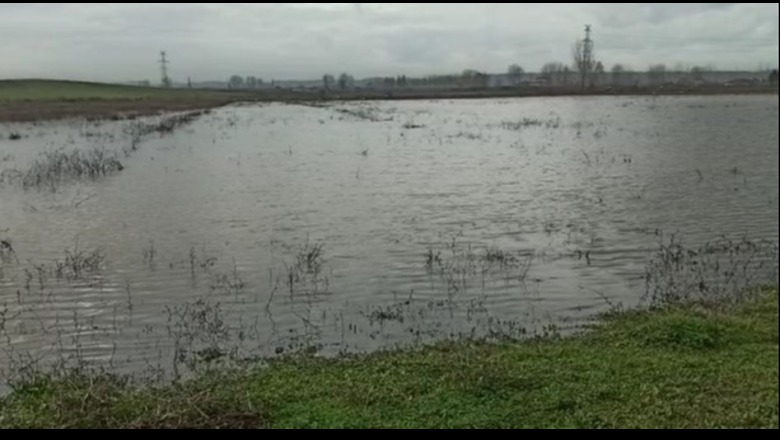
<point>60,166</point>
<point>678,367</point>
<point>683,361</point>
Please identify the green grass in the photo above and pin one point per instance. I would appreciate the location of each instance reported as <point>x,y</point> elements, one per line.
<point>53,90</point>
<point>676,368</point>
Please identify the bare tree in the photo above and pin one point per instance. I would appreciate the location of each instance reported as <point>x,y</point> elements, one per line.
<point>474,78</point>
<point>345,80</point>
<point>251,82</point>
<point>515,74</point>
<point>598,72</point>
<point>236,82</point>
<point>584,61</point>
<point>618,73</point>
<point>554,71</point>
<point>552,67</point>
<point>698,73</point>
<point>328,81</point>
<point>657,73</point>
<point>565,74</point>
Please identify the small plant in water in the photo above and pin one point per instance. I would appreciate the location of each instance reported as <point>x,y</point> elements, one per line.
<point>78,264</point>
<point>7,249</point>
<point>149,255</point>
<point>718,272</point>
<point>58,166</point>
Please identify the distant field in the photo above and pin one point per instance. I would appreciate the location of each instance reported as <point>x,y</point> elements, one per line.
<point>34,100</point>
<point>49,90</point>
<point>28,100</point>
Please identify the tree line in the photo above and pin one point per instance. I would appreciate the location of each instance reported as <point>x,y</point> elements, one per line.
<point>585,69</point>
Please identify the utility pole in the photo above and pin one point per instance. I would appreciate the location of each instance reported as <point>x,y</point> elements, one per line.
<point>587,55</point>
<point>166,82</point>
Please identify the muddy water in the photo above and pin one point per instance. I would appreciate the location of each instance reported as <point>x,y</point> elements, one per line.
<point>201,230</point>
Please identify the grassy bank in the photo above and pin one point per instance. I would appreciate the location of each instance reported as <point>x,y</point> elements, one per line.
<point>678,367</point>
<point>36,100</point>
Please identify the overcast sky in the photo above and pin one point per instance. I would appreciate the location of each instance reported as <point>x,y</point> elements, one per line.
<point>118,42</point>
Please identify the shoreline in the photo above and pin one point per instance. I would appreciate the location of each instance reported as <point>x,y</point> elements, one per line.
<point>97,107</point>
<point>684,366</point>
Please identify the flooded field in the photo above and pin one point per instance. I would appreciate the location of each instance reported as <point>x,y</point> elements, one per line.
<point>255,230</point>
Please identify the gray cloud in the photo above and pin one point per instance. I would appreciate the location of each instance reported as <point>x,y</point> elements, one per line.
<point>114,42</point>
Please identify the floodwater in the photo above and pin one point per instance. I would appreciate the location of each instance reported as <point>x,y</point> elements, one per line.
<point>436,219</point>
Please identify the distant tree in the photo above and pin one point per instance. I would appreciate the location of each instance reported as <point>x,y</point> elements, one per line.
<point>552,68</point>
<point>345,80</point>
<point>189,82</point>
<point>555,71</point>
<point>773,76</point>
<point>598,71</point>
<point>697,73</point>
<point>515,73</point>
<point>619,69</point>
<point>236,82</point>
<point>251,82</point>
<point>584,61</point>
<point>657,73</point>
<point>565,74</point>
<point>474,78</point>
<point>328,81</point>
<point>618,72</point>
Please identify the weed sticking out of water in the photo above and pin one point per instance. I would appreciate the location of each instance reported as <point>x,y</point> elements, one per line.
<point>56,167</point>
<point>231,283</point>
<point>6,246</point>
<point>79,264</point>
<point>371,114</point>
<point>458,265</point>
<point>202,261</point>
<point>164,126</point>
<point>303,275</point>
<point>199,331</point>
<point>148,256</point>
<point>719,272</point>
<point>525,123</point>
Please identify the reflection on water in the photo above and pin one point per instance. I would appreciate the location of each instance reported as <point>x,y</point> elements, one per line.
<point>357,226</point>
